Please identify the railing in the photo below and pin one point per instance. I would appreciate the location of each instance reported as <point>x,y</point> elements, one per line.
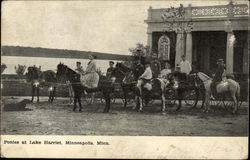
<point>230,10</point>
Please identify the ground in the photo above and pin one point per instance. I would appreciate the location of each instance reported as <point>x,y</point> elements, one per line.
<point>57,118</point>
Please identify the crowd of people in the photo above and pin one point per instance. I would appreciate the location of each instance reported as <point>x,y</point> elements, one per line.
<point>143,73</point>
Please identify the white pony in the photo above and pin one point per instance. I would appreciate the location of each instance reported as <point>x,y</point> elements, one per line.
<point>225,86</point>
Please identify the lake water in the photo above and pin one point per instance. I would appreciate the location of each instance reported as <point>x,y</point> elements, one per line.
<point>47,63</point>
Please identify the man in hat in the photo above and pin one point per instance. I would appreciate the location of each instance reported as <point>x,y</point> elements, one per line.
<point>110,69</point>
<point>145,77</point>
<point>138,68</point>
<point>155,65</point>
<point>185,65</point>
<point>218,76</point>
<point>79,68</point>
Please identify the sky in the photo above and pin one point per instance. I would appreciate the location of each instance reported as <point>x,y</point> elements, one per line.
<point>101,26</point>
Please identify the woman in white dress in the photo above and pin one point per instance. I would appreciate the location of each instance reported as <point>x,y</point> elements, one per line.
<point>90,78</point>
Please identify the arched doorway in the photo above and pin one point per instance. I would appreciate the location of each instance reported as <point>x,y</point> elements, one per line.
<point>164,48</point>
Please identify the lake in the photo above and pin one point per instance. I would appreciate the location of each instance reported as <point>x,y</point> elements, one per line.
<point>48,63</point>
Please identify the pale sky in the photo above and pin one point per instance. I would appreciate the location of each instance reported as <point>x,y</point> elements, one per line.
<point>101,26</point>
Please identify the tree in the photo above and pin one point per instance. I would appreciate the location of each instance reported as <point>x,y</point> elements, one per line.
<point>140,50</point>
<point>3,67</point>
<point>20,69</point>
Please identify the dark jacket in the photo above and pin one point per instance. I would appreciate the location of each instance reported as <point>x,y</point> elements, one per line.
<point>138,70</point>
<point>218,73</point>
<point>155,66</point>
<point>109,71</point>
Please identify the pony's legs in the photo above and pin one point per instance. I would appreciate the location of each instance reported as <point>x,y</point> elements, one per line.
<point>79,102</point>
<point>207,102</point>
<point>135,103</point>
<point>38,93</point>
<point>203,98</point>
<point>140,103</point>
<point>33,93</point>
<point>179,95</point>
<point>163,100</point>
<point>235,104</point>
<point>107,100</point>
<point>125,96</point>
<point>92,98</point>
<point>75,101</point>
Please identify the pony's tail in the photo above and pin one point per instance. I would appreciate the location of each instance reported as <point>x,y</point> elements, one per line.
<point>238,91</point>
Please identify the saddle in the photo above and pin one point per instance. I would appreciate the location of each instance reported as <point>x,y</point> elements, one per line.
<point>147,84</point>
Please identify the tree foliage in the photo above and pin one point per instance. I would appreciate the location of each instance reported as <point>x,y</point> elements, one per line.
<point>140,50</point>
<point>3,67</point>
<point>20,69</point>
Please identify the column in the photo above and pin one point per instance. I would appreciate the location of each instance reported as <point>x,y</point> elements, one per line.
<point>230,52</point>
<point>245,58</point>
<point>206,55</point>
<point>149,41</point>
<point>179,48</point>
<point>189,47</point>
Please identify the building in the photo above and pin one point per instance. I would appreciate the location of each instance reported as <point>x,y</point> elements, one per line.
<point>203,34</point>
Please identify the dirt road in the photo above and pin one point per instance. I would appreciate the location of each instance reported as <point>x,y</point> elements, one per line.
<point>45,118</point>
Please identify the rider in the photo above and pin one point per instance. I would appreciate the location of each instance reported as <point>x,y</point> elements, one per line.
<point>165,71</point>
<point>145,77</point>
<point>218,76</point>
<point>155,65</point>
<point>138,68</point>
<point>110,69</point>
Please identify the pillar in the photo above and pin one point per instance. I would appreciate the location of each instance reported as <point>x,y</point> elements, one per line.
<point>206,55</point>
<point>230,52</point>
<point>245,58</point>
<point>179,47</point>
<point>189,47</point>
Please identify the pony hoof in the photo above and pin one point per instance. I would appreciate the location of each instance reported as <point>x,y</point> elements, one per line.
<point>163,113</point>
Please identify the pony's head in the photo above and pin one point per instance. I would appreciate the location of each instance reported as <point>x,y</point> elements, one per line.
<point>120,71</point>
<point>61,72</point>
<point>65,73</point>
<point>129,78</point>
<point>203,77</point>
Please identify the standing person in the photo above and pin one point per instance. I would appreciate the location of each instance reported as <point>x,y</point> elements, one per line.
<point>79,68</point>
<point>145,77</point>
<point>155,66</point>
<point>91,78</point>
<point>185,65</point>
<point>110,69</point>
<point>218,76</point>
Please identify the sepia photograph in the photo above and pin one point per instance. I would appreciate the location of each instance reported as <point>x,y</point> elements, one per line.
<point>120,74</point>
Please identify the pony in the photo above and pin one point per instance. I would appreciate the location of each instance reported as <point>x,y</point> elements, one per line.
<point>39,79</point>
<point>183,83</point>
<point>225,86</point>
<point>124,76</point>
<point>104,86</point>
<point>129,81</point>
